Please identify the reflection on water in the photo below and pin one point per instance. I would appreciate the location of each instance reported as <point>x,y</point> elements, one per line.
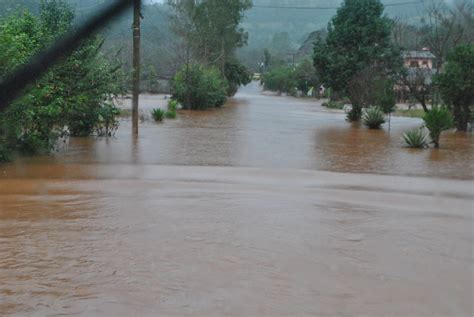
<point>125,227</point>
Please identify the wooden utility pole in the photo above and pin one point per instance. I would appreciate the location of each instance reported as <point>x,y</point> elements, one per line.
<point>136,64</point>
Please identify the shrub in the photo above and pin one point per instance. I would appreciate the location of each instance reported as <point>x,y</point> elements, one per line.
<point>199,87</point>
<point>334,104</point>
<point>236,75</point>
<point>280,79</point>
<point>415,138</point>
<point>108,123</point>
<point>172,107</point>
<point>373,118</point>
<point>437,120</point>
<point>73,97</point>
<point>158,114</point>
<point>305,76</point>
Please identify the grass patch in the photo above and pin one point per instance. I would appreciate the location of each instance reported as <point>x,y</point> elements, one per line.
<point>410,113</point>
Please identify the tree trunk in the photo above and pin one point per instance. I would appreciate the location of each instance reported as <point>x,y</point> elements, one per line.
<point>136,64</point>
<point>462,115</point>
<point>222,57</point>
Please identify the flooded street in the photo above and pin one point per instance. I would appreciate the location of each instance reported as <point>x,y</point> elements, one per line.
<point>269,206</point>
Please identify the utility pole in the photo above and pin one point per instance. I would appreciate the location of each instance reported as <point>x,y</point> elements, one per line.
<point>136,64</point>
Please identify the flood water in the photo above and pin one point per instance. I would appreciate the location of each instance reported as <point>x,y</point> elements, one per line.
<point>269,206</point>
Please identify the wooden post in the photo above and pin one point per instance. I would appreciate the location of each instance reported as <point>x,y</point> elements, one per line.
<point>136,64</point>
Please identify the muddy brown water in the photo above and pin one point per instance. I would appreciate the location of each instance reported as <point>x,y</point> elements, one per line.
<point>270,206</point>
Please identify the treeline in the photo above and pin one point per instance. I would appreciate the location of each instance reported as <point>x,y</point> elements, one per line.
<point>74,98</point>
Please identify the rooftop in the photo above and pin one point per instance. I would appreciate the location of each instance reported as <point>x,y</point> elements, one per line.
<point>418,54</point>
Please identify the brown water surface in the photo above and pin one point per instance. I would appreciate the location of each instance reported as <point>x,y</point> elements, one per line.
<point>270,206</point>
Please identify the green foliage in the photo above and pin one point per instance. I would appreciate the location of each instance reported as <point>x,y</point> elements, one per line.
<point>456,84</point>
<point>305,76</point>
<point>334,105</point>
<point>373,117</point>
<point>410,113</point>
<point>358,38</point>
<point>158,114</point>
<point>415,138</point>
<point>280,79</point>
<point>236,75</point>
<point>72,98</point>
<point>210,29</point>
<point>172,108</point>
<point>107,124</point>
<point>437,120</point>
<point>199,87</point>
<point>384,95</point>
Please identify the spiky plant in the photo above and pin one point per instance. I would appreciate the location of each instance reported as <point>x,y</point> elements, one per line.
<point>158,114</point>
<point>415,138</point>
<point>373,118</point>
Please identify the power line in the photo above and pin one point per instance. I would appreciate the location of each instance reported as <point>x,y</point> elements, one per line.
<point>329,8</point>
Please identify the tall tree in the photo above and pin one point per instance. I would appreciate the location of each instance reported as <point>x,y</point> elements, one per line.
<point>359,37</point>
<point>210,33</point>
<point>456,84</point>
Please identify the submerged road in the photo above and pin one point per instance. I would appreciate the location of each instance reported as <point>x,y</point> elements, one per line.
<point>270,206</point>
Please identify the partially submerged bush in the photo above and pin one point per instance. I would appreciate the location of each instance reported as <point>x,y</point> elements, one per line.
<point>331,104</point>
<point>415,138</point>
<point>236,75</point>
<point>158,114</point>
<point>198,87</point>
<point>280,79</point>
<point>373,118</point>
<point>172,108</point>
<point>72,98</point>
<point>437,120</point>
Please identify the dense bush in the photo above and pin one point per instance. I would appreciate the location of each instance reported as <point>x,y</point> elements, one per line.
<point>437,120</point>
<point>373,117</point>
<point>172,108</point>
<point>415,138</point>
<point>72,98</point>
<point>280,79</point>
<point>334,104</point>
<point>236,75</point>
<point>305,76</point>
<point>198,87</point>
<point>158,114</point>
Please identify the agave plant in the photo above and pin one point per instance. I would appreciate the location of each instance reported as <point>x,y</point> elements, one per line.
<point>373,118</point>
<point>158,114</point>
<point>415,138</point>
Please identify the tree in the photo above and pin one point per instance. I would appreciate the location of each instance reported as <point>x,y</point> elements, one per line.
<point>210,33</point>
<point>197,87</point>
<point>437,120</point>
<point>456,84</point>
<point>305,76</point>
<point>236,75</point>
<point>418,82</point>
<point>359,36</point>
<point>446,26</point>
<point>72,98</point>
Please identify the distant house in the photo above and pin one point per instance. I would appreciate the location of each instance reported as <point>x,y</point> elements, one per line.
<point>419,75</point>
<point>418,59</point>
